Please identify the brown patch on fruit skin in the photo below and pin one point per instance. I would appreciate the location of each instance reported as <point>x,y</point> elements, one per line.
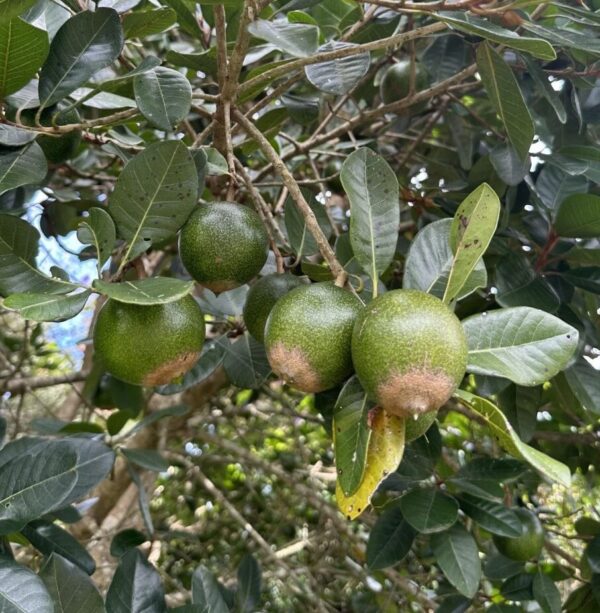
<point>221,286</point>
<point>415,392</point>
<point>293,367</point>
<point>165,373</point>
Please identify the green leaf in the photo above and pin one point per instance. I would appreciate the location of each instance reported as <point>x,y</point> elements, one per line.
<point>586,277</point>
<point>465,22</point>
<point>245,362</point>
<point>206,592</point>
<point>13,8</point>
<point>48,538</point>
<point>154,195</point>
<point>518,587</point>
<point>164,97</point>
<point>390,540</point>
<point>524,345</point>
<point>553,185</point>
<point>299,40</point>
<point>471,232</point>
<point>338,76</point>
<point>485,477</point>
<point>501,429</point>
<point>428,510</point>
<point>140,24</point>
<point>136,587</point>
<point>98,229</point>
<point>491,516</point>
<point>175,411</point>
<point>506,97</point>
<point>507,164</point>
<point>498,567</point>
<point>373,191</point>
<point>578,216</point>
<point>186,19</point>
<point>85,44</point>
<point>23,49</point>
<point>545,88</point>
<point>72,591</point>
<point>592,554</point>
<point>155,290</point>
<point>564,37</point>
<point>301,240</point>
<point>12,136</point>
<point>149,459</point>
<point>351,435</point>
<point>457,556</point>
<point>584,381</point>
<point>546,593</point>
<point>125,540</point>
<point>47,307</point>
<point>384,453</point>
<point>455,603</point>
<point>247,596</point>
<point>24,166</point>
<point>429,262</point>
<point>21,590</point>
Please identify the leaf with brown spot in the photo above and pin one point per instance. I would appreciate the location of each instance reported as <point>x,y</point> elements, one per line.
<point>472,230</point>
<point>385,451</point>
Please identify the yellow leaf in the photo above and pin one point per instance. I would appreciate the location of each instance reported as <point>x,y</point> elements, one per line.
<point>384,453</point>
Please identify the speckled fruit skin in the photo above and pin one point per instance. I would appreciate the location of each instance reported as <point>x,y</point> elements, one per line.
<point>223,245</point>
<point>149,345</point>
<point>313,324</point>
<point>527,546</point>
<point>409,351</point>
<point>395,83</point>
<point>262,297</point>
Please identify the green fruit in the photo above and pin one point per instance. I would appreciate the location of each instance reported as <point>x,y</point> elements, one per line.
<point>308,336</point>
<point>409,351</point>
<point>261,298</point>
<point>416,426</point>
<point>395,83</point>
<point>149,345</point>
<point>223,245</point>
<point>529,544</point>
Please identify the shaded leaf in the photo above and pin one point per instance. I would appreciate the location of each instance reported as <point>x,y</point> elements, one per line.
<point>428,510</point>
<point>47,307</point>
<point>546,593</point>
<point>98,229</point>
<point>126,540</point>
<point>300,237</point>
<point>245,362</point>
<point>457,556</point>
<point>206,592</point>
<point>72,591</point>
<point>545,87</point>
<point>578,216</point>
<point>492,516</point>
<point>390,540</point>
<point>296,39</point>
<point>22,591</point>
<point>506,162</point>
<point>149,459</point>
<point>524,345</point>
<point>247,596</point>
<point>11,136</point>
<point>584,381</point>
<point>24,166</point>
<point>140,24</point>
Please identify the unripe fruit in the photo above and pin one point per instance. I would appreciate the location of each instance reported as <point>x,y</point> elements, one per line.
<point>308,335</point>
<point>395,83</point>
<point>409,351</point>
<point>527,546</point>
<point>417,426</point>
<point>223,245</point>
<point>262,297</point>
<point>149,345</point>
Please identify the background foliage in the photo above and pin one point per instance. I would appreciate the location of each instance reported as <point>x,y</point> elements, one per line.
<point>477,183</point>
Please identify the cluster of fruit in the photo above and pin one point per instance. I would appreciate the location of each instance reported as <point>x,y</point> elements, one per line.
<point>407,348</point>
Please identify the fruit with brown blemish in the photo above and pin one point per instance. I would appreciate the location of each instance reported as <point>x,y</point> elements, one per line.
<point>149,345</point>
<point>223,245</point>
<point>409,351</point>
<point>262,297</point>
<point>308,334</point>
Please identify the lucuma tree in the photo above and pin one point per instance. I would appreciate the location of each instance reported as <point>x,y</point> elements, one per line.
<point>401,199</point>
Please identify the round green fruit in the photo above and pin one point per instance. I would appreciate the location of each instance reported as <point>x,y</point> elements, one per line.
<point>527,546</point>
<point>417,425</point>
<point>409,351</point>
<point>262,297</point>
<point>149,345</point>
<point>223,245</point>
<point>308,336</point>
<point>395,83</point>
